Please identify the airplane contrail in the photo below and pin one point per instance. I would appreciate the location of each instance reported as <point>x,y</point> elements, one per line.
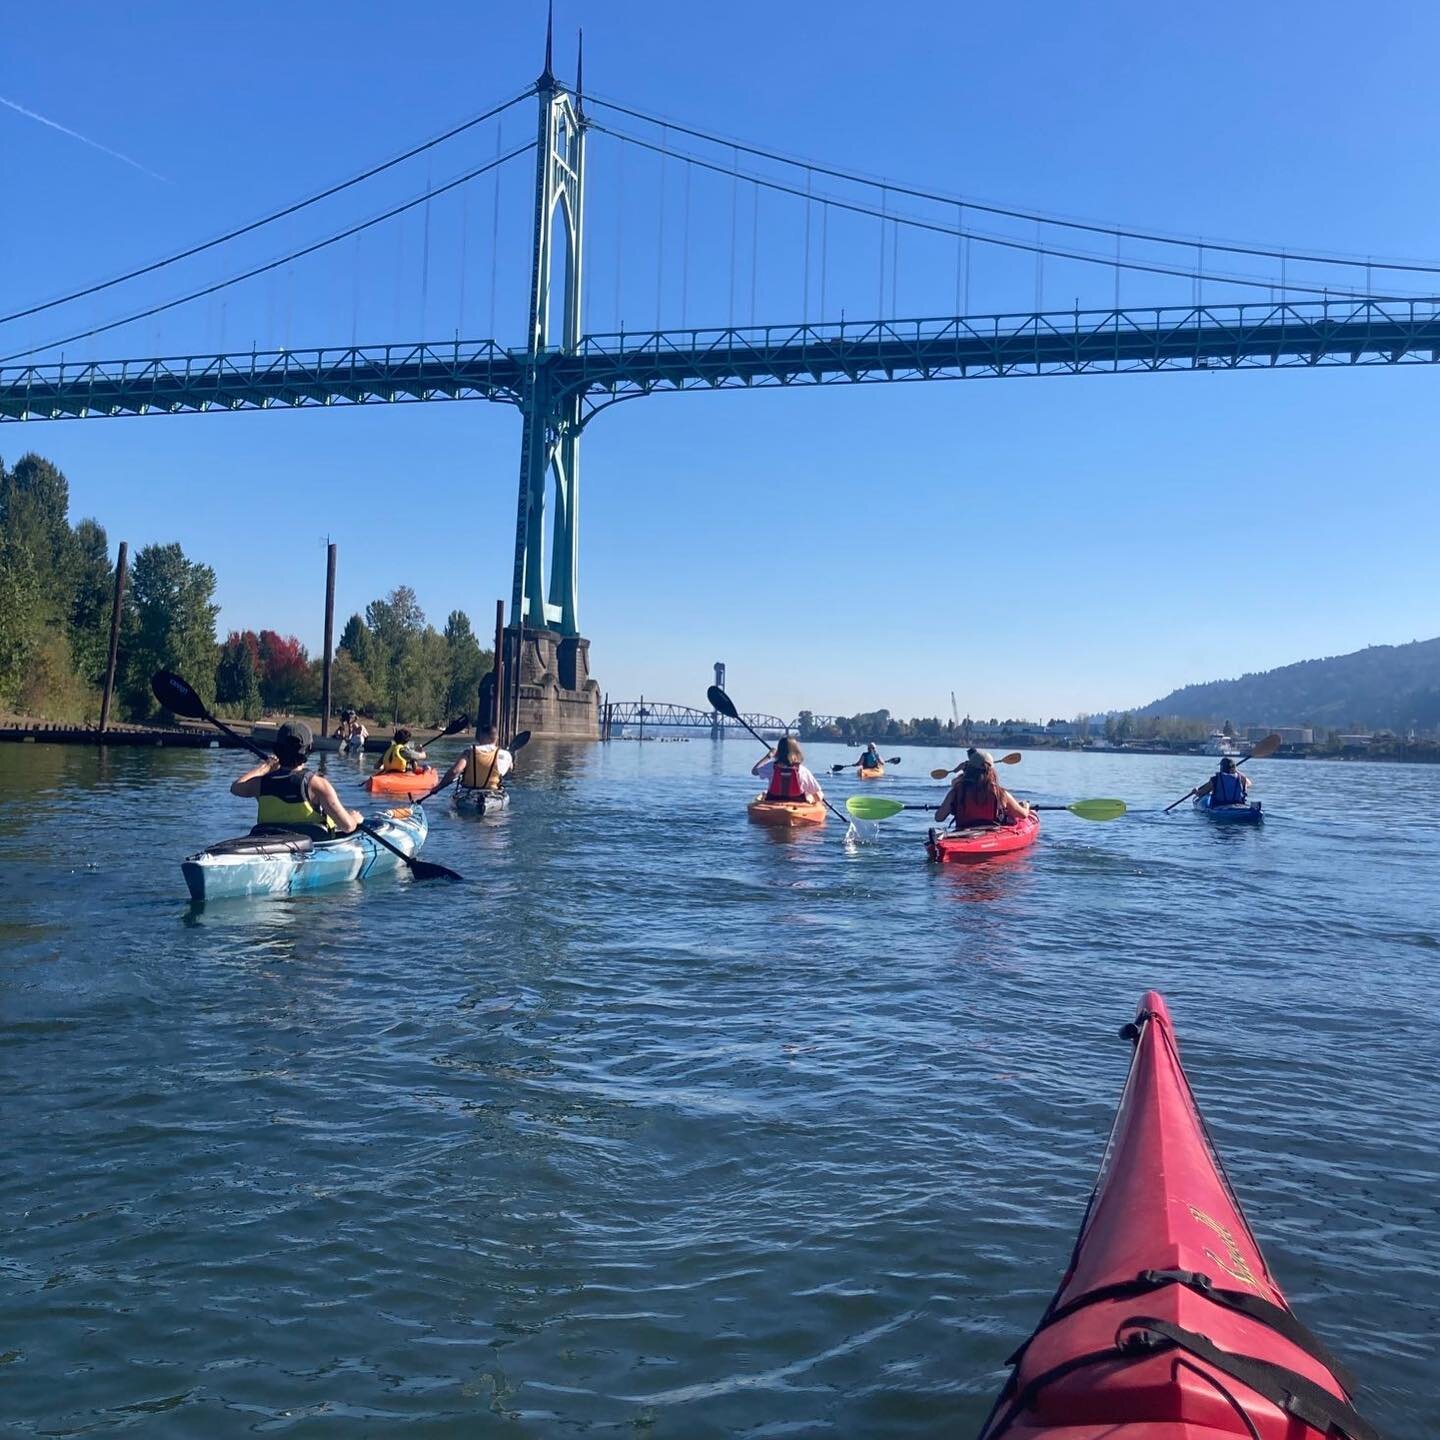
<point>83,139</point>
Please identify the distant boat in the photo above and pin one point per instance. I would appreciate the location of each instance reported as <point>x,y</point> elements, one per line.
<point>1219,743</point>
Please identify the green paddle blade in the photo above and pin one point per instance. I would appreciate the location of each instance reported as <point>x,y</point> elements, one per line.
<point>872,807</point>
<point>1097,809</point>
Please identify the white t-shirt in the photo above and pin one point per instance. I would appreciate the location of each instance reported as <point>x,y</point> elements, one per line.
<point>808,782</point>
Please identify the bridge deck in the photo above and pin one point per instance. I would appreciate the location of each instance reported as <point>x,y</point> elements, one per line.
<point>612,367</point>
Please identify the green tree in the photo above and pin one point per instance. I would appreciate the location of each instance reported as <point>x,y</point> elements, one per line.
<point>170,626</point>
<point>395,623</point>
<point>34,513</point>
<point>349,687</point>
<point>465,663</point>
<point>20,621</point>
<point>237,673</point>
<point>91,585</point>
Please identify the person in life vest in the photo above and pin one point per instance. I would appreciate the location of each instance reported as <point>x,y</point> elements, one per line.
<point>870,760</point>
<point>483,766</point>
<point>789,779</point>
<point>401,757</point>
<point>1227,786</point>
<point>288,796</point>
<point>976,796</point>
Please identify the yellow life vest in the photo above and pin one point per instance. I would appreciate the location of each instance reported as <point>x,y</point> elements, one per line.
<point>393,760</point>
<point>482,768</point>
<point>284,801</point>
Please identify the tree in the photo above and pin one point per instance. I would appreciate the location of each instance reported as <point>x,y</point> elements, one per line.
<point>349,689</point>
<point>465,663</point>
<point>237,673</point>
<point>170,626</point>
<point>395,623</point>
<point>91,585</point>
<point>20,625</point>
<point>284,670</point>
<point>34,513</point>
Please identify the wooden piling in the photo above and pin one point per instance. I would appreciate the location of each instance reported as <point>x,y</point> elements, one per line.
<point>329,639</point>
<point>116,610</point>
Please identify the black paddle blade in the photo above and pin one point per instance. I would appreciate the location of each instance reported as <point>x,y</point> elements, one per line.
<point>520,741</point>
<point>429,870</point>
<point>459,723</point>
<point>176,695</point>
<point>720,701</point>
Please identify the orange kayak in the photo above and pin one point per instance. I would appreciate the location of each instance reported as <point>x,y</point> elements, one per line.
<point>787,813</point>
<point>411,784</point>
<point>870,774</point>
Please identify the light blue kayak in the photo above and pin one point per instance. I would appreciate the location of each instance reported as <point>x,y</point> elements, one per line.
<point>1245,813</point>
<point>280,864</point>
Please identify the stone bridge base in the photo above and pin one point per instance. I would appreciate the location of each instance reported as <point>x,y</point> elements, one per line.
<point>558,699</point>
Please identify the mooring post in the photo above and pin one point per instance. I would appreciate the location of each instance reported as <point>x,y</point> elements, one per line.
<point>115,612</point>
<point>329,640</point>
<point>499,716</point>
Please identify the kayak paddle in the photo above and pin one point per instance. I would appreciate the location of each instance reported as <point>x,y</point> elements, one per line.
<point>873,807</point>
<point>857,765</point>
<point>1013,758</point>
<point>720,701</point>
<point>177,696</point>
<point>518,743</point>
<point>1263,750</point>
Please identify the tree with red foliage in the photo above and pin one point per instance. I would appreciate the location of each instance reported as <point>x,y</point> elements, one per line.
<point>284,670</point>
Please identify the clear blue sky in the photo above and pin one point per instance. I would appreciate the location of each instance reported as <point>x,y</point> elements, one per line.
<point>1039,546</point>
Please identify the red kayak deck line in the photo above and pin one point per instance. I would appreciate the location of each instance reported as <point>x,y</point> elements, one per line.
<point>1168,1324</point>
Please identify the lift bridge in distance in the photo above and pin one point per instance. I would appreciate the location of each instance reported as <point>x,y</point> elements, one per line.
<point>730,221</point>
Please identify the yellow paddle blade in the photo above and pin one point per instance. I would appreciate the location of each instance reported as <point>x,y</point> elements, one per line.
<point>1097,809</point>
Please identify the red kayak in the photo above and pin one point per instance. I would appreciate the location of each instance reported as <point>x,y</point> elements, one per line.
<point>1168,1324</point>
<point>981,842</point>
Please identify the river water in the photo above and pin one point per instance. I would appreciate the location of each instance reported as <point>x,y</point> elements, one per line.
<point>667,1125</point>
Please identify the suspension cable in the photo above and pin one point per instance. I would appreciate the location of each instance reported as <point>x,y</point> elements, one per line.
<point>1009,212</point>
<point>1012,242</point>
<point>273,216</point>
<point>272,265</point>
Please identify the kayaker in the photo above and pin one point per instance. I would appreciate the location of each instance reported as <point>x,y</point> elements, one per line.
<point>976,796</point>
<point>291,798</point>
<point>870,760</point>
<point>401,757</point>
<point>483,766</point>
<point>788,776</point>
<point>1227,786</point>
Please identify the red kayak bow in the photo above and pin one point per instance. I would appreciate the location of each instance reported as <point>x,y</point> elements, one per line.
<point>1168,1324</point>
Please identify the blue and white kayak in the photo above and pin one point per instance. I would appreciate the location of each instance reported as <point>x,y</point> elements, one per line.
<point>1245,813</point>
<point>281,864</point>
<point>481,802</point>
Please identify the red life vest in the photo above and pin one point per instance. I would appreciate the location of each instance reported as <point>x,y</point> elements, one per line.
<point>977,805</point>
<point>785,783</point>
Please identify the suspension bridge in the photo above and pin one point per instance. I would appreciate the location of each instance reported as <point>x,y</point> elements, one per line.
<point>824,225</point>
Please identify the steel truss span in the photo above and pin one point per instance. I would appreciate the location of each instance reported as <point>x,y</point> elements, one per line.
<point>657,714</point>
<point>604,368</point>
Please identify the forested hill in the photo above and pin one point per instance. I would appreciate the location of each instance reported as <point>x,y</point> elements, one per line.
<point>1390,687</point>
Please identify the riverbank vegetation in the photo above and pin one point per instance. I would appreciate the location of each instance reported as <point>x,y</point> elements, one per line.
<point>57,584</point>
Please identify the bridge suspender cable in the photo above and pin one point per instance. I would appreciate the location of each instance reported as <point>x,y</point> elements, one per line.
<point>1007,242</point>
<point>272,217</point>
<point>1093,227</point>
<point>275,264</point>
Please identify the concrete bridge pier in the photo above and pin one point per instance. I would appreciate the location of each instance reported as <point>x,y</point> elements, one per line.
<point>554,696</point>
